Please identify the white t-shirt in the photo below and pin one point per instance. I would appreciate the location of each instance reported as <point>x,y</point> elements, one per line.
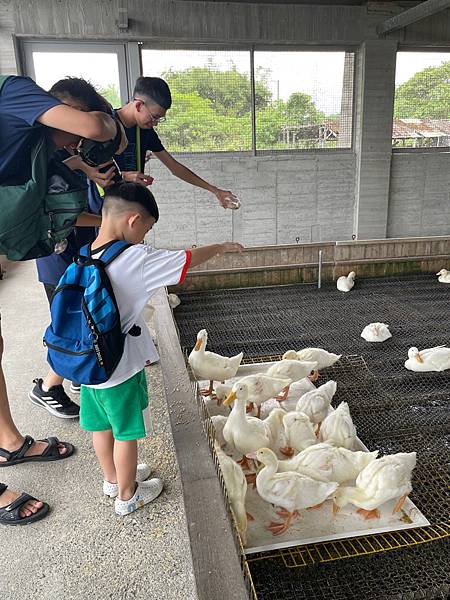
<point>136,275</point>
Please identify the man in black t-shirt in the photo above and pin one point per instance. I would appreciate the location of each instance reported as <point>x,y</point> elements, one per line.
<point>151,100</point>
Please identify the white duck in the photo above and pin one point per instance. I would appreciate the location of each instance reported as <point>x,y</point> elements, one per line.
<point>322,357</point>
<point>218,422</point>
<point>247,434</point>
<point>430,359</point>
<point>236,485</point>
<point>345,283</point>
<point>316,403</point>
<point>259,388</point>
<point>376,332</point>
<point>338,429</point>
<point>383,479</point>
<point>210,366</point>
<point>291,369</point>
<point>443,276</point>
<point>298,431</point>
<point>329,463</point>
<point>290,491</point>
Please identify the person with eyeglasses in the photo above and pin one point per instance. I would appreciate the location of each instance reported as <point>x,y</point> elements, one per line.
<point>151,100</point>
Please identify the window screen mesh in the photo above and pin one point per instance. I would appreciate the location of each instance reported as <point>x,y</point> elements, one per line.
<point>303,100</point>
<point>211,91</point>
<point>422,100</point>
<point>310,98</point>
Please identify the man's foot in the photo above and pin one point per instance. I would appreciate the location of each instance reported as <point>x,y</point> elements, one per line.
<point>29,508</point>
<point>55,401</point>
<point>35,448</point>
<point>75,387</point>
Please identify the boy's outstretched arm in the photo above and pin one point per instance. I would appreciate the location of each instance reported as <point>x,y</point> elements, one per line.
<point>204,253</point>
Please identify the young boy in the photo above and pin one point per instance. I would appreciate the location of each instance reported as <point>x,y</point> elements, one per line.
<point>113,410</point>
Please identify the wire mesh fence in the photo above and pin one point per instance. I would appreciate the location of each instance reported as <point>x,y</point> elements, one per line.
<point>394,410</point>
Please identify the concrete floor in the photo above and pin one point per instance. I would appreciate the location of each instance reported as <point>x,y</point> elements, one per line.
<point>82,551</point>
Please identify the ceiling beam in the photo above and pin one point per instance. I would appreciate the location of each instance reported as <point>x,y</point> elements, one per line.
<point>417,13</point>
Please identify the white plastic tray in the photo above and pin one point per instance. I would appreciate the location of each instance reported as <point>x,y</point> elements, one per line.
<point>316,525</point>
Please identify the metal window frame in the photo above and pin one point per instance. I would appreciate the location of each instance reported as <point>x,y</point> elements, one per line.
<point>423,49</point>
<point>252,48</point>
<point>121,49</point>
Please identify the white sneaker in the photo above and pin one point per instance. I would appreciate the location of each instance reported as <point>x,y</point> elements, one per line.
<point>145,493</point>
<point>143,472</point>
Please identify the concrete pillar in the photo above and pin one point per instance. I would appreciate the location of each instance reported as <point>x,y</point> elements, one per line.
<point>375,87</point>
<point>7,55</point>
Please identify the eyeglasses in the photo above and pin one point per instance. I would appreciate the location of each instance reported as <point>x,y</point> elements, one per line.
<point>156,119</point>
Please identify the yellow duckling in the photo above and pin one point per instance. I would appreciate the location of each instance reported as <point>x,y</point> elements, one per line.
<point>383,479</point>
<point>210,366</point>
<point>290,491</point>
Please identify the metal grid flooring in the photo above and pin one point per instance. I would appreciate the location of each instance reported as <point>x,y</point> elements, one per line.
<point>394,410</point>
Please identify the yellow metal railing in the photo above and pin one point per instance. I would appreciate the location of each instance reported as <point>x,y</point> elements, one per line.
<point>325,552</point>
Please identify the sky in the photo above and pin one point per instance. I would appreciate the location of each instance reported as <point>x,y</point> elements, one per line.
<point>318,74</point>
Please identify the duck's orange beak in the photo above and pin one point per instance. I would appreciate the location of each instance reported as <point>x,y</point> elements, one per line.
<point>198,345</point>
<point>229,399</point>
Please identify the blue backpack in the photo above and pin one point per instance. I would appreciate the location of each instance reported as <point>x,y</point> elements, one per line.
<point>84,339</point>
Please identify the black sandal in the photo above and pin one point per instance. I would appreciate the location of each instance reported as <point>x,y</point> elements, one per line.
<point>10,514</point>
<point>50,453</point>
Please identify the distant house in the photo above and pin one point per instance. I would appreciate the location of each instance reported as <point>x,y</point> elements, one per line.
<point>406,133</point>
<point>317,135</point>
<point>420,133</point>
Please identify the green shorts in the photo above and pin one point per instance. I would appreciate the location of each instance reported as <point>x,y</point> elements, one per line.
<point>118,408</point>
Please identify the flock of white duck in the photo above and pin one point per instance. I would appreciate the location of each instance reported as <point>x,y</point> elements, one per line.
<point>319,442</point>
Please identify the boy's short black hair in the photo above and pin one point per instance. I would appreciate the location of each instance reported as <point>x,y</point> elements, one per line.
<point>154,88</point>
<point>132,192</point>
<point>82,90</point>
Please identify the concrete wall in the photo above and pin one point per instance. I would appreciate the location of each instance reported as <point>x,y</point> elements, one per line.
<point>309,197</point>
<point>275,265</point>
<point>419,202</point>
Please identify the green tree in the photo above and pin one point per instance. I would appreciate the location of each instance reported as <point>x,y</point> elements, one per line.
<point>300,110</point>
<point>228,91</point>
<point>111,93</point>
<point>193,125</point>
<point>426,95</point>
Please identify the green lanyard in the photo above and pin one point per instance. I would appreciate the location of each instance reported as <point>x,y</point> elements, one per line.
<point>138,148</point>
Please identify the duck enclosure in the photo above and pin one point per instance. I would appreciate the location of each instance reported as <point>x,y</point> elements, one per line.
<point>394,410</point>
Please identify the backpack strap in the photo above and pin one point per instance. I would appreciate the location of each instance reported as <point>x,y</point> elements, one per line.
<point>110,251</point>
